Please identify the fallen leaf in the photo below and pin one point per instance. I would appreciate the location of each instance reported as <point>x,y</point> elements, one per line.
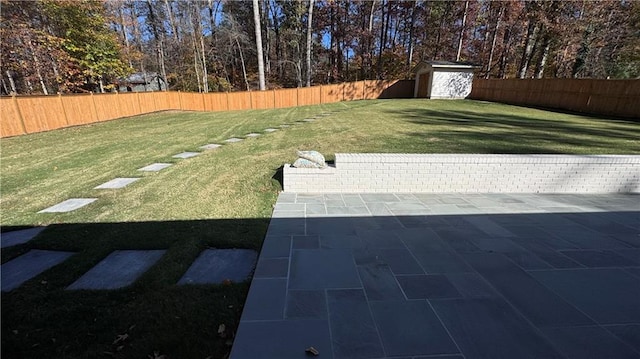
<point>313,351</point>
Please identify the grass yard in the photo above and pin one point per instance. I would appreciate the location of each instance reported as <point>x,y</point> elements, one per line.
<point>220,199</point>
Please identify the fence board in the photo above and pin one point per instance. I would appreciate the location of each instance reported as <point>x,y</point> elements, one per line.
<point>147,102</point>
<point>603,97</point>
<point>286,98</point>
<point>239,100</point>
<point>331,93</point>
<point>262,99</point>
<point>78,109</point>
<point>216,102</point>
<point>107,106</point>
<point>192,101</point>
<point>10,122</point>
<point>308,96</point>
<point>43,113</point>
<point>354,91</point>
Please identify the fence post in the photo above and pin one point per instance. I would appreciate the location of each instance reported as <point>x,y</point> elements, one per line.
<point>180,100</point>
<point>64,111</point>
<point>321,102</point>
<point>15,104</point>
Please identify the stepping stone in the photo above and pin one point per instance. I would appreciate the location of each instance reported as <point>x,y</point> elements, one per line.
<point>308,120</point>
<point>211,146</point>
<point>14,238</point>
<point>154,167</point>
<point>284,126</point>
<point>68,205</point>
<point>120,269</point>
<point>217,265</point>
<point>185,155</point>
<point>253,135</point>
<point>21,269</point>
<point>233,140</point>
<point>270,130</point>
<point>117,183</point>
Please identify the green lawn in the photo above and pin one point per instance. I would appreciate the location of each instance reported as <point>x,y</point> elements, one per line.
<point>222,198</point>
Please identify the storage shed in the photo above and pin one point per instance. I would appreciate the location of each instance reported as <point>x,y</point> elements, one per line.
<point>443,79</point>
<point>142,82</point>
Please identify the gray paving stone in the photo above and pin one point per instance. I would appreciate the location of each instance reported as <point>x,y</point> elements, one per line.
<point>286,226</point>
<point>538,303</point>
<point>272,268</point>
<point>353,331</point>
<point>315,209</point>
<point>288,214</point>
<point>307,304</point>
<point>210,146</point>
<point>185,155</point>
<point>379,282</point>
<point>476,324</point>
<point>614,302</point>
<point>588,342</point>
<point>252,134</point>
<point>119,269</point>
<point>379,197</point>
<point>217,265</point>
<point>281,339</point>
<point>116,183</point>
<point>599,258</point>
<point>266,299</point>
<point>471,285</point>
<point>399,260</point>
<point>527,260</point>
<point>349,241</point>
<point>276,246</point>
<point>233,140</point>
<point>427,287</point>
<point>628,333</point>
<point>21,269</point>
<point>348,211</point>
<point>322,269</point>
<point>268,130</point>
<point>13,238</point>
<point>69,205</point>
<point>154,167</point>
<point>306,242</point>
<point>411,328</point>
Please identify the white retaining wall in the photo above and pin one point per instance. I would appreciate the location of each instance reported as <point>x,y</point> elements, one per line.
<point>463,173</point>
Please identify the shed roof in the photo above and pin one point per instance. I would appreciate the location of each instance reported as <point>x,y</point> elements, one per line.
<point>446,64</point>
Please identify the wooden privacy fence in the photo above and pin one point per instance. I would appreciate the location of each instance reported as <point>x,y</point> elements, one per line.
<point>29,114</point>
<point>619,98</point>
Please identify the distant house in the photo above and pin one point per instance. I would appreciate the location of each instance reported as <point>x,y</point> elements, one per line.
<point>142,82</point>
<point>443,79</point>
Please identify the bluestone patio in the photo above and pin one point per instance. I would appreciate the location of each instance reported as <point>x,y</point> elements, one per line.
<point>446,276</point>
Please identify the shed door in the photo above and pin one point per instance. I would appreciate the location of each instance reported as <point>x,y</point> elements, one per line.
<point>423,84</point>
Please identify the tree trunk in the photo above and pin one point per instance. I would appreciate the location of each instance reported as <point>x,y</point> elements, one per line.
<point>309,33</point>
<point>493,42</point>
<point>464,20</point>
<point>256,20</point>
<point>411,30</point>
<point>174,28</point>
<point>244,70</point>
<point>543,57</point>
<point>11,83</point>
<point>532,33</point>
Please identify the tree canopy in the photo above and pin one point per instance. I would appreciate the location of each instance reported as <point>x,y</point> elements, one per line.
<point>210,45</point>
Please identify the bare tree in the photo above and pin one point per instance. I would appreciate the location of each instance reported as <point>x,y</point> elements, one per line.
<point>309,29</point>
<point>256,20</point>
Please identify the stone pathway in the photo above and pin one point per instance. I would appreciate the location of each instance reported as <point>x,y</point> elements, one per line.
<point>210,146</point>
<point>123,267</point>
<point>155,167</point>
<point>69,205</point>
<point>14,238</point>
<point>117,183</point>
<point>185,155</point>
<point>19,270</point>
<point>218,265</point>
<point>446,275</point>
<point>119,269</point>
